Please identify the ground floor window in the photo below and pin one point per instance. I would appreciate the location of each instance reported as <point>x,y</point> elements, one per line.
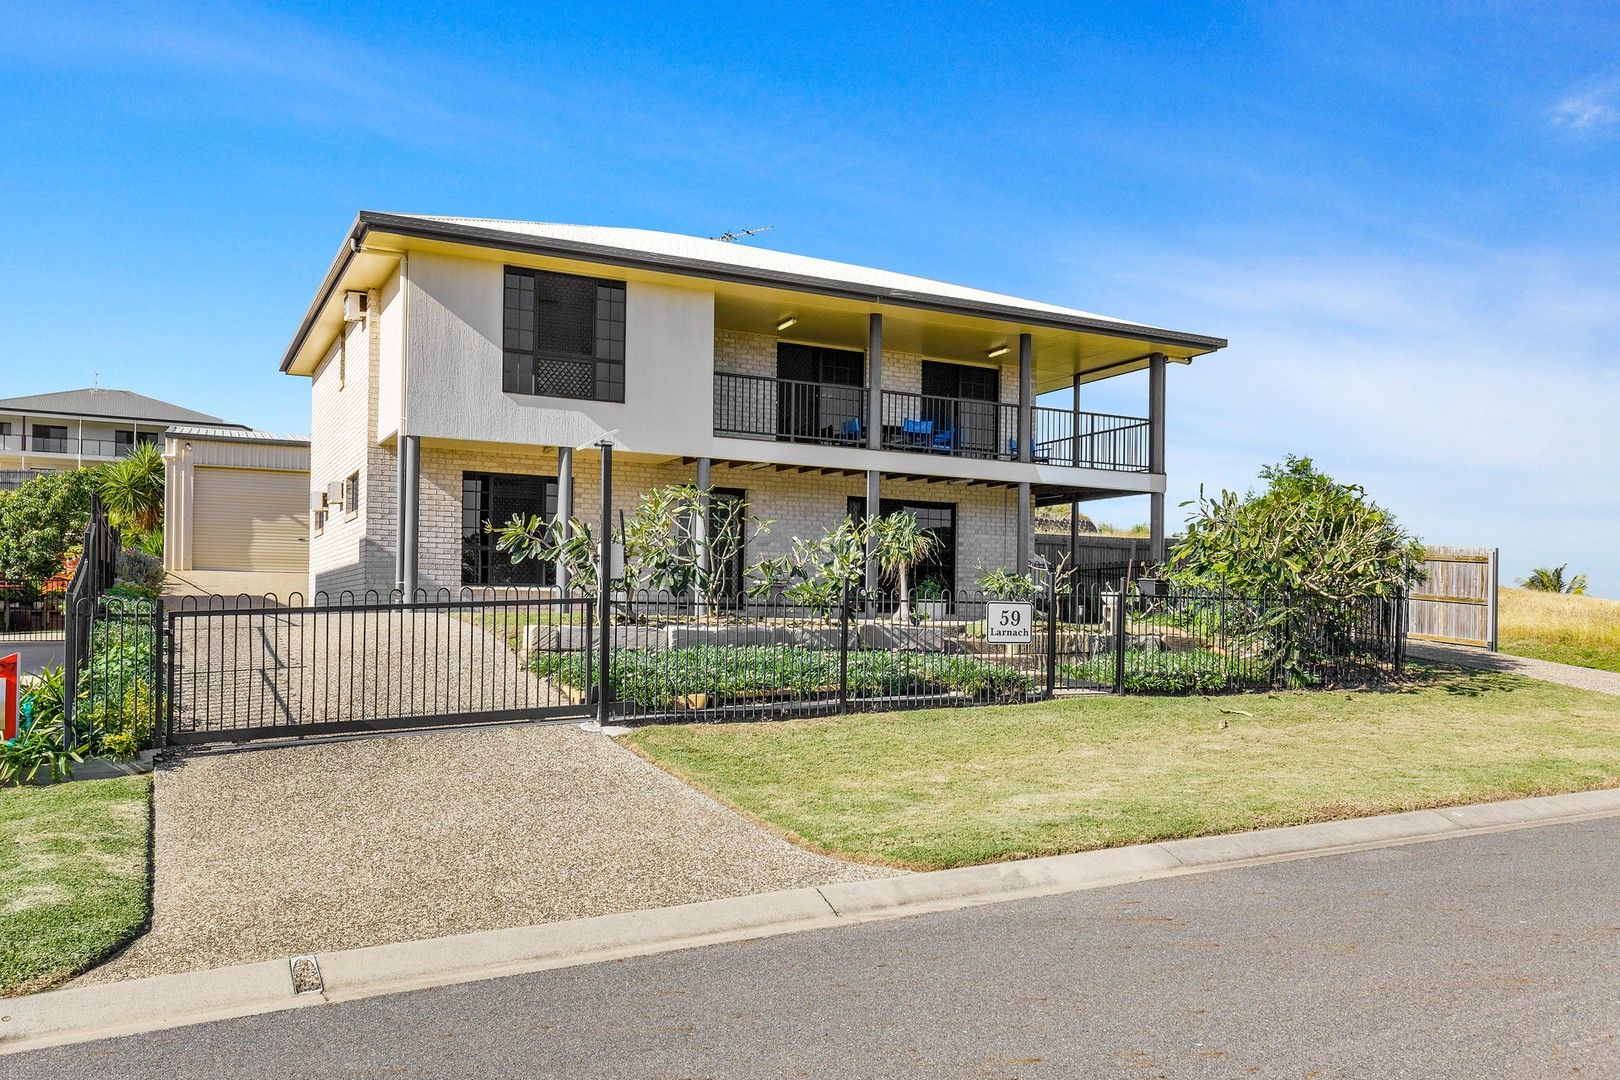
<point>494,498</point>
<point>940,519</point>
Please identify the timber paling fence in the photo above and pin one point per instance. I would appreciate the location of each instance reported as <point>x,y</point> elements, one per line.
<point>218,669</point>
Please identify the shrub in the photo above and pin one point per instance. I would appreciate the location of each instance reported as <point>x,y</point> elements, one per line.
<point>665,678</point>
<point>41,523</point>
<point>1193,671</point>
<point>38,745</point>
<point>140,570</point>
<point>119,701</point>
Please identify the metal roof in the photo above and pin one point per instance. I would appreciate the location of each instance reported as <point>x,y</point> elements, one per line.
<point>234,434</point>
<point>108,404</point>
<point>698,256</point>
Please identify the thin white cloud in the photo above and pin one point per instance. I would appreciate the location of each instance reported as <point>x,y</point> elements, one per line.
<point>1588,110</point>
<point>1475,397</point>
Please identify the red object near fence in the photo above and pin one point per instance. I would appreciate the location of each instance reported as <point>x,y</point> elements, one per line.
<point>10,673</point>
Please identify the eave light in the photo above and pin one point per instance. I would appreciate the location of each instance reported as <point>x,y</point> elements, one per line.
<point>787,323</point>
<point>999,350</point>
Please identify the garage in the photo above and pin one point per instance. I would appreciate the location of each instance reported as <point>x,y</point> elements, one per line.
<point>236,512</point>
<point>250,519</point>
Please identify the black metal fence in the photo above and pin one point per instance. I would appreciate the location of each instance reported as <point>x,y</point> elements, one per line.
<point>258,668</point>
<point>93,576</point>
<point>24,619</point>
<point>251,668</point>
<point>115,685</point>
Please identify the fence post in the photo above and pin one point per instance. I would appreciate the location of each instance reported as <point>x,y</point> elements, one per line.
<point>1119,637</point>
<point>167,639</point>
<point>843,650</point>
<point>157,672</point>
<point>1051,632</point>
<point>590,649</point>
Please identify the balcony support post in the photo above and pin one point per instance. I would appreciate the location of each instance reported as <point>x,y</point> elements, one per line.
<point>565,509</point>
<point>700,527</point>
<point>1156,447</point>
<point>1026,395</point>
<point>874,383</point>
<point>874,487</point>
<point>410,488</point>
<point>1026,525</point>
<point>1074,421</point>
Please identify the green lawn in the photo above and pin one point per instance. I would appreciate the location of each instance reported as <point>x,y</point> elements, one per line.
<point>953,787</point>
<point>73,880</point>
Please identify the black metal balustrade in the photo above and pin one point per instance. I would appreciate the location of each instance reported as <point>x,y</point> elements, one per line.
<point>760,407</point>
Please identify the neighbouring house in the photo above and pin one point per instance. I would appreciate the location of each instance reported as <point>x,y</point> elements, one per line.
<point>236,511</point>
<point>72,429</point>
<point>456,364</point>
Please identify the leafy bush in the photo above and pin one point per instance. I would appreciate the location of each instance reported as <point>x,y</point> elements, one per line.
<point>663,679</point>
<point>38,745</point>
<point>1003,584</point>
<point>1193,671</point>
<point>141,571</point>
<point>41,523</point>
<point>132,489</point>
<point>1311,547</point>
<point>119,701</point>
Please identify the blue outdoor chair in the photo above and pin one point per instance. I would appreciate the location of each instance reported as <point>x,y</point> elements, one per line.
<point>945,440</point>
<point>851,428</point>
<point>918,431</point>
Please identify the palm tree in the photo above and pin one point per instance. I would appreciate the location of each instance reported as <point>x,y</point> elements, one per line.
<point>132,490</point>
<point>1545,579</point>
<point>901,544</point>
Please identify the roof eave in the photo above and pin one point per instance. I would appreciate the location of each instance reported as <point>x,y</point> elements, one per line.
<point>416,228</point>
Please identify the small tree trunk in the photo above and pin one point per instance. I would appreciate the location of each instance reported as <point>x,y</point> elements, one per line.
<point>903,613</point>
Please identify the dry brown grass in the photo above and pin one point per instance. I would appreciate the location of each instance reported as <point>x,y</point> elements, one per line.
<point>1581,630</point>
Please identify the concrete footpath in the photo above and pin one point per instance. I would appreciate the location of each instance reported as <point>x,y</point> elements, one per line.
<point>1602,682</point>
<point>93,1012</point>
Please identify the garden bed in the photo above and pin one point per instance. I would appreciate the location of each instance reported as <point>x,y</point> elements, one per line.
<point>709,676</point>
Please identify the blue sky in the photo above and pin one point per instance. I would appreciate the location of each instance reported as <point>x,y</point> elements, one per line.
<point>1405,219</point>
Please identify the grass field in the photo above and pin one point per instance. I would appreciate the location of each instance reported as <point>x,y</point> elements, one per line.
<point>952,787</point>
<point>1580,630</point>
<point>73,877</point>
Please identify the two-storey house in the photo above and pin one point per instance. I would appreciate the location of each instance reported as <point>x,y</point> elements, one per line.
<point>457,366</point>
<point>72,429</point>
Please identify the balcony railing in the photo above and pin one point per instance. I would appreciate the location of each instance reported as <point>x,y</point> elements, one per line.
<point>759,407</point>
<point>86,447</point>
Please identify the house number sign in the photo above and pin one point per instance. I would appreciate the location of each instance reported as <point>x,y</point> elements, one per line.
<point>1008,622</point>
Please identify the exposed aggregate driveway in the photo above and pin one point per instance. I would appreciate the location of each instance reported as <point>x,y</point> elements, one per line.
<point>276,852</point>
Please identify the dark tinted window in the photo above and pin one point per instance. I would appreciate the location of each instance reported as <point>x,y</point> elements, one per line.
<point>563,335</point>
<point>497,498</point>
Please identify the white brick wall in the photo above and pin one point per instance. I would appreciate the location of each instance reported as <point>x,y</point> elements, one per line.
<point>355,550</point>
<point>801,505</point>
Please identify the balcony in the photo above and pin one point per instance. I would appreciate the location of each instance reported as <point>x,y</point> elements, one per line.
<point>758,407</point>
<point>86,447</point>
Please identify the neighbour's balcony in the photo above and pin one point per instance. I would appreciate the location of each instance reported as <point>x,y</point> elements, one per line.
<point>759,407</point>
<point>86,447</point>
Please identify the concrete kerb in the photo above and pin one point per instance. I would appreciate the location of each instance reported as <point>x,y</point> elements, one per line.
<point>92,1012</point>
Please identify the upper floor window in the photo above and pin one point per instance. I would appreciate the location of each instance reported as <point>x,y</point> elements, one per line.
<point>563,336</point>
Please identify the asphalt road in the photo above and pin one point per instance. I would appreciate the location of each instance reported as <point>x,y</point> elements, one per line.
<point>1487,956</point>
<point>34,653</point>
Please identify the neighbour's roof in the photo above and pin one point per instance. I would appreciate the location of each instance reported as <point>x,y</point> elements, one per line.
<point>234,434</point>
<point>111,405</point>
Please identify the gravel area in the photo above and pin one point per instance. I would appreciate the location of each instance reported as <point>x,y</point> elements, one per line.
<point>1604,682</point>
<point>277,852</point>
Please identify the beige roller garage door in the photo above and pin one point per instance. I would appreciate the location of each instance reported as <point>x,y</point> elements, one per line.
<point>249,519</point>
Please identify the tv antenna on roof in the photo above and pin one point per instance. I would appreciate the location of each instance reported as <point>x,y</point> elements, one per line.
<point>731,237</point>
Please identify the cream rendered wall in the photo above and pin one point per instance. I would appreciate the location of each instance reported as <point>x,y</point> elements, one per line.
<point>390,357</point>
<point>453,381</point>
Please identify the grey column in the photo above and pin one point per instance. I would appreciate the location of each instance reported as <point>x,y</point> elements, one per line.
<point>565,508</point>
<point>873,504</point>
<point>1156,380</point>
<point>410,487</point>
<point>874,382</point>
<point>1026,526</point>
<point>1026,394</point>
<point>700,527</point>
<point>1156,368</point>
<point>1156,543</point>
<point>1074,423</point>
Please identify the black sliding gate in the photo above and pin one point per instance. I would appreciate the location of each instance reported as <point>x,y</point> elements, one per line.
<point>251,668</point>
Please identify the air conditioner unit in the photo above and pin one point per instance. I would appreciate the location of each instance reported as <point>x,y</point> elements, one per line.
<point>334,493</point>
<point>354,307</point>
<point>317,500</point>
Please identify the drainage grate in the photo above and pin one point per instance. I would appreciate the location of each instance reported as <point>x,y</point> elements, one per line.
<point>306,975</point>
